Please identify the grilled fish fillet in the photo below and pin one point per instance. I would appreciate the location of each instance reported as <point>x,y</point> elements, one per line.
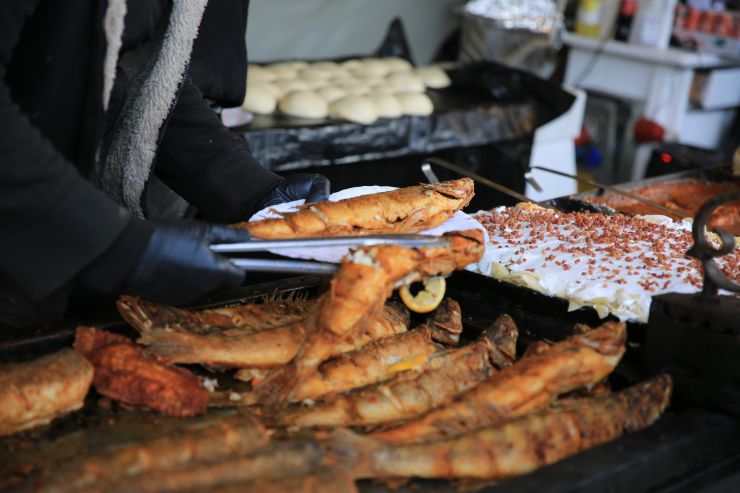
<point>514,447</point>
<point>209,438</point>
<point>445,376</point>
<point>380,360</point>
<point>35,392</point>
<point>279,460</point>
<point>526,386</point>
<point>264,349</point>
<point>405,210</point>
<point>363,283</point>
<point>232,320</point>
<point>124,372</point>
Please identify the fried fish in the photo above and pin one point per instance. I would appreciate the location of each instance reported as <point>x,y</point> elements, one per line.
<point>405,210</point>
<point>269,348</point>
<point>281,459</point>
<point>210,438</point>
<point>35,392</point>
<point>231,320</point>
<point>530,384</point>
<point>124,372</point>
<point>513,447</point>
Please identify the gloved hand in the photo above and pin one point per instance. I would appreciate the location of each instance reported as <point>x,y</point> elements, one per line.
<point>312,187</point>
<point>178,266</point>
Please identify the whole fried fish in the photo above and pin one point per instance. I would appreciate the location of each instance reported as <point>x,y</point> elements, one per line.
<point>281,459</point>
<point>406,210</point>
<point>445,376</point>
<point>363,283</point>
<point>514,447</point>
<point>530,384</point>
<point>35,392</point>
<point>232,320</point>
<point>124,372</point>
<point>209,438</point>
<point>266,348</point>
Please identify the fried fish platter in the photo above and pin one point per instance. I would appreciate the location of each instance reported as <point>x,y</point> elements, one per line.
<point>36,392</point>
<point>526,386</point>
<point>514,447</point>
<point>405,210</point>
<point>445,376</point>
<point>365,279</point>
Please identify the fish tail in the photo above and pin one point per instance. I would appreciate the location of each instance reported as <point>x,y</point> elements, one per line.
<point>129,307</point>
<point>504,335</point>
<point>354,453</point>
<point>500,341</point>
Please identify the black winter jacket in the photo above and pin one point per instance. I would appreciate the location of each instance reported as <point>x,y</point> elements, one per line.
<point>58,135</point>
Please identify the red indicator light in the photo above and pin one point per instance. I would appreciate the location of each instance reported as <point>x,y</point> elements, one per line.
<point>666,158</point>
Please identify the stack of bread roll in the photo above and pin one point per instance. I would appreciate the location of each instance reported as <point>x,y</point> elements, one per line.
<point>357,90</point>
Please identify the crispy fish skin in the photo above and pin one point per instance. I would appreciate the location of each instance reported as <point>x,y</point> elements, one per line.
<point>210,439</point>
<point>363,283</point>
<point>326,480</point>
<point>144,316</point>
<point>450,374</point>
<point>279,460</point>
<point>406,210</point>
<point>528,385</point>
<point>125,373</point>
<point>35,392</point>
<point>264,349</point>
<point>514,447</point>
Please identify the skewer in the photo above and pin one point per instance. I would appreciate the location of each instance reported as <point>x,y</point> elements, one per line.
<point>680,213</point>
<point>483,180</point>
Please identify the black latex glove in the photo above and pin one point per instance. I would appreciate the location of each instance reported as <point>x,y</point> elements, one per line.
<point>312,187</point>
<point>178,266</point>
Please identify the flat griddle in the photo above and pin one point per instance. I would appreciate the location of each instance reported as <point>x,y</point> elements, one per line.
<point>689,446</point>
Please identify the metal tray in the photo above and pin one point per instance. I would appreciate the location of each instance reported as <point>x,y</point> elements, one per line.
<point>578,202</point>
<point>690,446</point>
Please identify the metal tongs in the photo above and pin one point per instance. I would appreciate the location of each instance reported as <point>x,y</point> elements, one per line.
<point>314,267</point>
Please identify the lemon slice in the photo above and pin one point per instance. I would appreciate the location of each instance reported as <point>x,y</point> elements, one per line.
<point>428,298</point>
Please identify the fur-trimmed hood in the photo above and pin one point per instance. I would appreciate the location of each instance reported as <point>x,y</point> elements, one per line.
<point>154,73</point>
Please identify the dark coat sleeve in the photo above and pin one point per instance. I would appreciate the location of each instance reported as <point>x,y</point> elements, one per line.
<point>209,165</point>
<point>53,222</point>
<point>219,62</point>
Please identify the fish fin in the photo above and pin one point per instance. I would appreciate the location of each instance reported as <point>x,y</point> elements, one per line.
<point>277,388</point>
<point>353,452</point>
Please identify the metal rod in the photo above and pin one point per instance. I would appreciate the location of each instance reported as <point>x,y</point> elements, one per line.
<point>285,266</point>
<point>426,168</point>
<point>620,191</point>
<point>338,241</point>
<point>483,180</point>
